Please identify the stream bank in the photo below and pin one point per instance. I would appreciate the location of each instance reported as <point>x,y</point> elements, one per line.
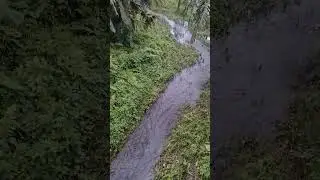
<point>187,151</point>
<point>136,161</point>
<point>138,74</point>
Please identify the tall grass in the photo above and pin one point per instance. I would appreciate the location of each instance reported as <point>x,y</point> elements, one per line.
<point>188,151</point>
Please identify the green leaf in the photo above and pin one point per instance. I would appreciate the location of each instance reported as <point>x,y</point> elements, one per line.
<point>112,27</point>
<point>124,15</point>
<point>15,16</point>
<point>113,2</point>
<point>9,82</point>
<point>207,147</point>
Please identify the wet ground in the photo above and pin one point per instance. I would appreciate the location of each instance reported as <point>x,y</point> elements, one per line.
<point>144,146</point>
<point>253,70</point>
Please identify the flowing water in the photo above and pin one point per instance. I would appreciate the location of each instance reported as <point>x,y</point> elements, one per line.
<point>140,154</point>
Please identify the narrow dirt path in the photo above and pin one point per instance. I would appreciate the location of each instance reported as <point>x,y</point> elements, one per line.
<point>253,70</point>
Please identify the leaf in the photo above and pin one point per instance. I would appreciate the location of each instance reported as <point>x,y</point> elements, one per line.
<point>80,28</point>
<point>112,27</point>
<point>114,6</point>
<point>15,16</point>
<point>9,82</point>
<point>124,15</point>
<point>40,9</point>
<point>3,8</point>
<point>207,147</point>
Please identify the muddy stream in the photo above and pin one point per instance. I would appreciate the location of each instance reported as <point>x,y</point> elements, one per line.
<point>144,146</point>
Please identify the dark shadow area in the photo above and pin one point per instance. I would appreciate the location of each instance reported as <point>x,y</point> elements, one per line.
<point>53,89</point>
<point>253,71</point>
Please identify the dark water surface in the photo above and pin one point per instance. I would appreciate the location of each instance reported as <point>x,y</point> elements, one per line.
<point>140,154</point>
<point>253,71</point>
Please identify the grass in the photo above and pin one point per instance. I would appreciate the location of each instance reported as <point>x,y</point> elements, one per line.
<point>188,150</point>
<point>295,152</point>
<point>169,8</point>
<point>293,155</point>
<point>139,74</point>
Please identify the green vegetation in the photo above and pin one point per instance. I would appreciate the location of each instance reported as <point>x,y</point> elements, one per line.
<point>188,149</point>
<point>169,8</point>
<point>295,152</point>
<point>139,73</point>
<point>187,152</point>
<point>53,83</point>
<point>123,15</point>
<point>225,13</point>
<point>197,13</point>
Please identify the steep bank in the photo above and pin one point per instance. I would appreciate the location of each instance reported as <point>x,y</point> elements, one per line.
<point>252,73</point>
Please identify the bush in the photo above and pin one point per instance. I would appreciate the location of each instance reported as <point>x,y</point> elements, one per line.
<point>53,91</point>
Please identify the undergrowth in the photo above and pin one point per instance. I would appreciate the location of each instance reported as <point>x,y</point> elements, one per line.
<point>53,88</point>
<point>169,8</point>
<point>139,73</point>
<point>188,150</point>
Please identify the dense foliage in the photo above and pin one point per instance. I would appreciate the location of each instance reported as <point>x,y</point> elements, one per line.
<point>53,90</point>
<point>123,15</point>
<point>195,12</point>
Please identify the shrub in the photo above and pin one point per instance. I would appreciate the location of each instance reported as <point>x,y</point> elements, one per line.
<point>53,91</point>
